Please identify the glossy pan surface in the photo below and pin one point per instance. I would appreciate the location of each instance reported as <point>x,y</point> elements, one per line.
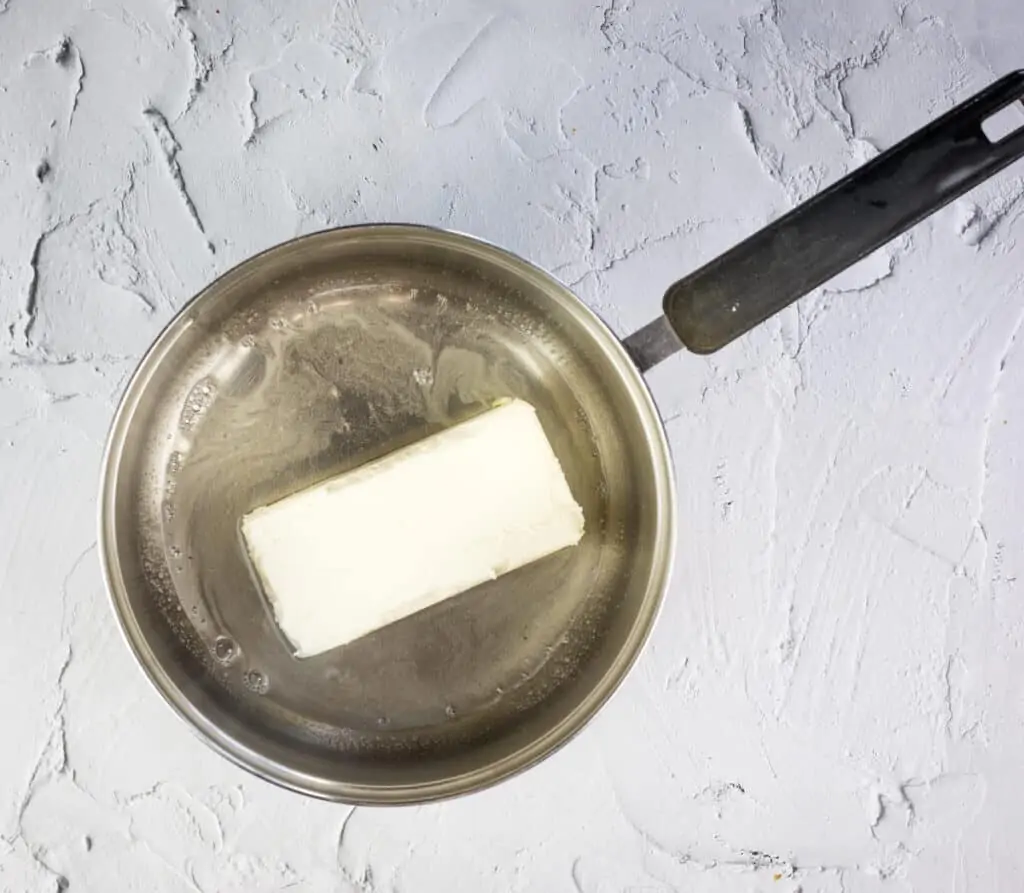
<point>313,358</point>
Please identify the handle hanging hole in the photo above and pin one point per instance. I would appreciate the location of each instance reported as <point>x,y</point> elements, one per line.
<point>1004,123</point>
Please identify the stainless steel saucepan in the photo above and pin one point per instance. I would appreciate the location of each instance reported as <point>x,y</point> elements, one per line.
<point>325,352</point>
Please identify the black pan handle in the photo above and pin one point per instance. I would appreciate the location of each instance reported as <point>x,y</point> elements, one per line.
<point>830,232</point>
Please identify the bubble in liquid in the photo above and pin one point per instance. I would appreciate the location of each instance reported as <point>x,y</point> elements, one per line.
<point>383,720</point>
<point>175,552</point>
<point>225,650</point>
<point>449,711</point>
<point>256,682</point>
<point>197,402</point>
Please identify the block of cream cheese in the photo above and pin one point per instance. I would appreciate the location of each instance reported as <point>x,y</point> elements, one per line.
<point>399,534</point>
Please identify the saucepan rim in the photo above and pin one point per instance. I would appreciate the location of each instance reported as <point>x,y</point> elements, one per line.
<point>477,778</point>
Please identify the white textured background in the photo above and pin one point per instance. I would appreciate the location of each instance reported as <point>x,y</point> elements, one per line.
<point>832,701</point>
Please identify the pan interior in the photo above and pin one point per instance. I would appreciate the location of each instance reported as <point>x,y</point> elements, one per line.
<point>312,359</point>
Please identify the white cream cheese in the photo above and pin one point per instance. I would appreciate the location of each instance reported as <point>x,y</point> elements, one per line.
<point>369,547</point>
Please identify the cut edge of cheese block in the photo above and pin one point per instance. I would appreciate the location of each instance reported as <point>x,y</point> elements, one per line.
<point>488,492</point>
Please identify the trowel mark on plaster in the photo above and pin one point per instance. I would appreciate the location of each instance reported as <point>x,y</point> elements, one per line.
<point>169,148</point>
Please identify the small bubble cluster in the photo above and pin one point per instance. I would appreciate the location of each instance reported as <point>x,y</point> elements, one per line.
<point>256,682</point>
<point>196,403</point>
